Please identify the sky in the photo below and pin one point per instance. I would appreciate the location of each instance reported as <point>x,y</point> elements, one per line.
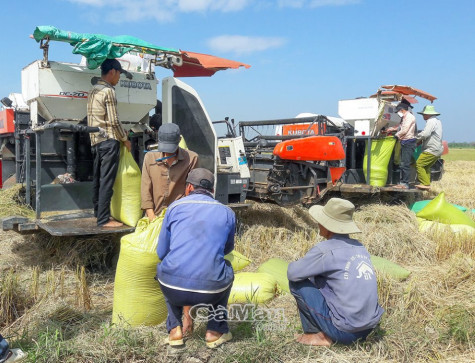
<point>305,55</point>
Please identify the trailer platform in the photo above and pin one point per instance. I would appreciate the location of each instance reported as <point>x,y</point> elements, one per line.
<point>74,224</point>
<point>371,189</point>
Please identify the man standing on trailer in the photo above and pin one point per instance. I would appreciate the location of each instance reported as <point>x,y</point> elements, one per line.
<point>102,112</point>
<point>407,136</point>
<point>432,148</point>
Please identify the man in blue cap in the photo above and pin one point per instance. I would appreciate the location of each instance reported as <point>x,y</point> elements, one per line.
<point>196,234</point>
<point>164,171</point>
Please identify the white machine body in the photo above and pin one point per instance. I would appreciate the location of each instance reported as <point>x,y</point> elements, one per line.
<point>59,92</point>
<point>366,116</point>
<point>232,157</point>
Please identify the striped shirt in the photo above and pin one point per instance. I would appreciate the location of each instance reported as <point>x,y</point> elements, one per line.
<point>102,112</point>
<point>407,129</point>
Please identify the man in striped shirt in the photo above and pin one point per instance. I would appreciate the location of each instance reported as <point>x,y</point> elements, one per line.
<point>102,112</point>
<point>406,133</point>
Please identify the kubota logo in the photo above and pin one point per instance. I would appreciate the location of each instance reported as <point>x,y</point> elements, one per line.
<point>133,84</point>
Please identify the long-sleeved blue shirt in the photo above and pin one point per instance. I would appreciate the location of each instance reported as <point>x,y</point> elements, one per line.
<point>341,268</point>
<point>197,232</point>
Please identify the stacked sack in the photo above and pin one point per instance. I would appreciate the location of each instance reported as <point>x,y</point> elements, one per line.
<point>249,287</point>
<point>439,215</point>
<point>138,299</point>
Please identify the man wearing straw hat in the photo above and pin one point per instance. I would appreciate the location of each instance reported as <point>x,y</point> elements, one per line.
<point>334,284</point>
<point>431,138</point>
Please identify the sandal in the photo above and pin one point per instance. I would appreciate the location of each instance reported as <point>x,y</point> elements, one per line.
<point>15,355</point>
<point>225,337</point>
<point>175,342</point>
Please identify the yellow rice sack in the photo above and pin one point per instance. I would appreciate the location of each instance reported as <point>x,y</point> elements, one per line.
<point>238,261</point>
<point>125,202</point>
<point>138,299</point>
<point>277,268</point>
<point>381,150</point>
<point>390,268</point>
<point>440,210</point>
<point>252,287</point>
<point>436,227</point>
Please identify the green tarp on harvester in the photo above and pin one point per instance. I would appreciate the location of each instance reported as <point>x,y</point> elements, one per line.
<point>97,47</point>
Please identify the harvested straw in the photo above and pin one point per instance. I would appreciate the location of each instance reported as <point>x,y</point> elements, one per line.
<point>13,300</point>
<point>83,296</point>
<point>392,232</point>
<point>12,204</point>
<point>94,252</point>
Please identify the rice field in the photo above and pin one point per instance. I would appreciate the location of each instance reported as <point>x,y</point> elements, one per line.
<point>460,155</point>
<point>56,294</point>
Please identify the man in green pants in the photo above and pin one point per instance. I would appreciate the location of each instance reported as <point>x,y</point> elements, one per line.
<point>431,138</point>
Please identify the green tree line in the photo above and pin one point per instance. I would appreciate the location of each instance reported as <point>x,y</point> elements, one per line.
<point>462,145</point>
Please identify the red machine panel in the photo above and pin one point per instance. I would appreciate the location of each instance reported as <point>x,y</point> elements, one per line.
<point>7,125</point>
<point>313,148</point>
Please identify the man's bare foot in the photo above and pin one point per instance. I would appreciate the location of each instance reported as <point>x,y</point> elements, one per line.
<point>423,187</point>
<point>175,333</point>
<point>113,224</point>
<point>212,336</point>
<point>319,339</point>
<point>187,321</point>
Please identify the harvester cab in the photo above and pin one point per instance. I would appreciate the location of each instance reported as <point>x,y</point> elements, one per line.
<point>46,145</point>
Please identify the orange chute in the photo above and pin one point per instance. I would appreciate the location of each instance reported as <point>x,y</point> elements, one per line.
<point>203,65</point>
<point>406,90</point>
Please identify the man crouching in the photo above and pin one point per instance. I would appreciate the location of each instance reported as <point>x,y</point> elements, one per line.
<point>334,284</point>
<point>197,232</point>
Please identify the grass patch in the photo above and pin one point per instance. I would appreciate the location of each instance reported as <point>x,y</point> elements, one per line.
<point>459,324</point>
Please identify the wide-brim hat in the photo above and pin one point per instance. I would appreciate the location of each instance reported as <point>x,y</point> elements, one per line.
<point>429,110</point>
<point>336,216</point>
<point>168,138</point>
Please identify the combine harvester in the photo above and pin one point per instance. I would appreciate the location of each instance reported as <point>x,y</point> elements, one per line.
<point>45,144</point>
<point>300,160</point>
<point>44,138</point>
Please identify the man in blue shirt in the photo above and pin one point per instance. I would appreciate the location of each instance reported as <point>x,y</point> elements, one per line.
<point>334,284</point>
<point>197,232</point>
